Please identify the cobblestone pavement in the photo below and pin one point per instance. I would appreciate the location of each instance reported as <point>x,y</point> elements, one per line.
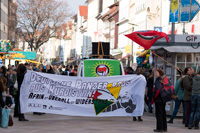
<point>50,123</point>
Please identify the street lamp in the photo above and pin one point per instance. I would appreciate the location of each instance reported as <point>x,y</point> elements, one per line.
<point>132,43</point>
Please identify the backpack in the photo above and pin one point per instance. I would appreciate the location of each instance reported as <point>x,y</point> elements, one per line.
<point>167,90</point>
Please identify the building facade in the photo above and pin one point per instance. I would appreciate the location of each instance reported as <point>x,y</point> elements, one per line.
<point>4,4</point>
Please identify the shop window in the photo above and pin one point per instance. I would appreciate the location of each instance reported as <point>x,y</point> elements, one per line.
<point>190,58</point>
<point>181,58</point>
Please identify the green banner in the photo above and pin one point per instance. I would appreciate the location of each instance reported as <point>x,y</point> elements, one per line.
<point>99,68</point>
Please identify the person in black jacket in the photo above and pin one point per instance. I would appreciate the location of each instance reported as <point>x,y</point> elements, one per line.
<point>161,119</point>
<point>49,69</point>
<point>150,82</point>
<point>20,77</point>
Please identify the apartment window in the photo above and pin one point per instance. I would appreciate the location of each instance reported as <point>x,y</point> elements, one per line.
<point>140,8</point>
<point>100,5</point>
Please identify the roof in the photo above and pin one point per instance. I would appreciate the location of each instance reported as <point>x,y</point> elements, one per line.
<point>182,49</point>
<point>112,12</point>
<point>83,10</point>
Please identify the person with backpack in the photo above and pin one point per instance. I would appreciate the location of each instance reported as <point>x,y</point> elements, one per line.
<point>195,103</point>
<point>161,120</point>
<point>186,84</point>
<point>178,102</point>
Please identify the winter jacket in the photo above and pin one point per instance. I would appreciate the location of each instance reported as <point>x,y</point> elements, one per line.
<point>179,90</point>
<point>186,83</point>
<point>156,92</point>
<point>20,78</point>
<point>150,87</point>
<point>196,86</point>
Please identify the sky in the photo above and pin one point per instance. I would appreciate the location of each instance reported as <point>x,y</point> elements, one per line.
<point>74,4</point>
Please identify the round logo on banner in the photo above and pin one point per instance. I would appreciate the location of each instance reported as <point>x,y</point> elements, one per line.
<point>102,70</point>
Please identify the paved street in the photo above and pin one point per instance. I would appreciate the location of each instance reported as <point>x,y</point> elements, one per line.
<point>49,123</point>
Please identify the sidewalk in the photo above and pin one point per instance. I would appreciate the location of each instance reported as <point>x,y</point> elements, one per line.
<point>50,123</point>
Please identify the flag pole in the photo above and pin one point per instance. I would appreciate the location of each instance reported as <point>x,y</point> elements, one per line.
<point>165,61</point>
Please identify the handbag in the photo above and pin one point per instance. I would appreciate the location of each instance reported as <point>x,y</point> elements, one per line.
<point>5,117</point>
<point>10,122</point>
<point>16,85</point>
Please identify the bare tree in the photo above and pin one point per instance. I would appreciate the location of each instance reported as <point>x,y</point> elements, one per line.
<point>39,19</point>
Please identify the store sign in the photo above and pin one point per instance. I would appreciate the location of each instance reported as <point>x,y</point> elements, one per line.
<point>23,55</point>
<point>18,55</point>
<point>187,38</point>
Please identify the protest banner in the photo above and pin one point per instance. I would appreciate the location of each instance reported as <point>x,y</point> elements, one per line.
<point>78,96</point>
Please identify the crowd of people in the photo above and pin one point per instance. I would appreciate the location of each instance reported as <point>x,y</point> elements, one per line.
<point>187,88</point>
<point>12,77</point>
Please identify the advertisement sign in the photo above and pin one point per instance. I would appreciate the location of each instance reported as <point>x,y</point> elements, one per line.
<point>100,68</point>
<point>78,96</point>
<point>174,11</point>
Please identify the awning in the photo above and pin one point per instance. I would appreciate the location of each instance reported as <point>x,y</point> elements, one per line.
<point>178,49</point>
<point>125,57</point>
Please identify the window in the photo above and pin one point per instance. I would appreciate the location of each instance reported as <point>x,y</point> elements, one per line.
<point>140,8</point>
<point>186,60</point>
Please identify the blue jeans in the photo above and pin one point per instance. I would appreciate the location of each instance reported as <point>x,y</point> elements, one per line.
<point>149,105</point>
<point>177,105</point>
<point>195,112</point>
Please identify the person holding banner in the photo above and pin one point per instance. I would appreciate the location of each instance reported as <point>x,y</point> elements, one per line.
<point>21,70</point>
<point>161,119</point>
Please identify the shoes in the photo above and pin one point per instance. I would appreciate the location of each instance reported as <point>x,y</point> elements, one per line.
<point>38,113</point>
<point>196,127</point>
<point>134,119</point>
<point>155,130</point>
<point>170,121</point>
<point>189,127</point>
<point>23,119</point>
<point>139,119</point>
<point>165,130</point>
<point>16,116</point>
<point>183,122</point>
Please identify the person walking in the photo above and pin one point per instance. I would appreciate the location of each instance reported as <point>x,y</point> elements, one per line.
<point>186,84</point>
<point>179,92</point>
<point>161,121</point>
<point>195,103</point>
